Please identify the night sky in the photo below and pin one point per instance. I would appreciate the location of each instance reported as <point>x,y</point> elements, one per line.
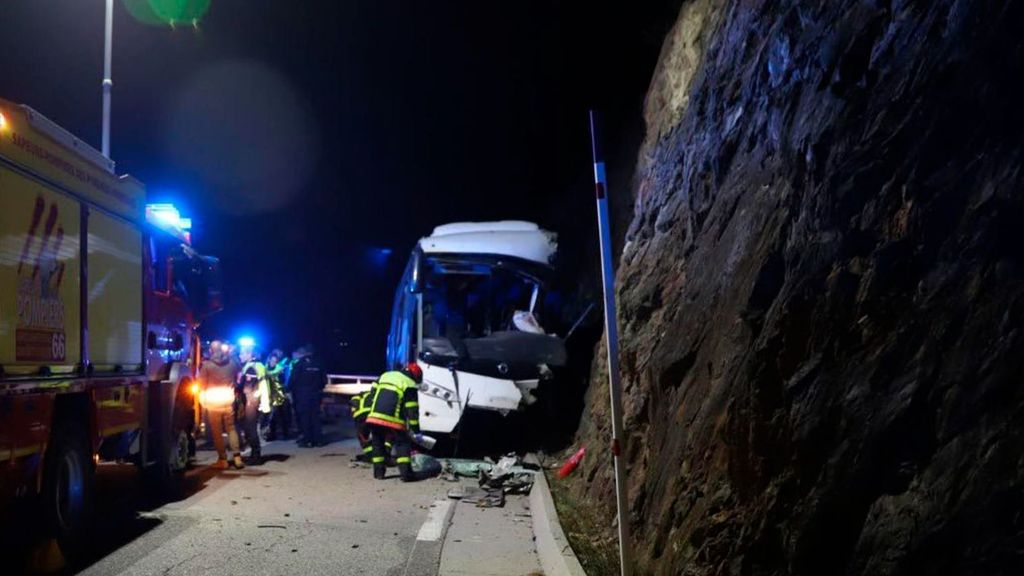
<point>306,139</point>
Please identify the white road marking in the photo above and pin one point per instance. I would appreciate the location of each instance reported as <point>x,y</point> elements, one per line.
<point>433,528</point>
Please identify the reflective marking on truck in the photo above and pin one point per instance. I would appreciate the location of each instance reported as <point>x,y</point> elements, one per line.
<point>16,453</point>
<point>119,429</point>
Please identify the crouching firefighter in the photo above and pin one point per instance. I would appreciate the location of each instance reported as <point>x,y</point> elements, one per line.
<point>360,405</point>
<point>395,415</point>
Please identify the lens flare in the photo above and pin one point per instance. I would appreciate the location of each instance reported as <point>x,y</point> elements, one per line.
<point>168,12</point>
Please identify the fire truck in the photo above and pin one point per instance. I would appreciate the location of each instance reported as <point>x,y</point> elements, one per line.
<point>100,300</point>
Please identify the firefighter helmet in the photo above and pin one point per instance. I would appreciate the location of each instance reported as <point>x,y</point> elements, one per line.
<point>413,370</point>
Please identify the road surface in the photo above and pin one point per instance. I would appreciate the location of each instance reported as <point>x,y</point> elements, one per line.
<point>306,511</point>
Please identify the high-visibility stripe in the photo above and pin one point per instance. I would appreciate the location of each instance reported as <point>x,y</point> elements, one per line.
<point>403,460</point>
<point>385,417</point>
<point>412,404</point>
<point>386,424</point>
<point>118,429</point>
<point>368,449</point>
<point>414,422</point>
<point>378,459</point>
<point>24,451</point>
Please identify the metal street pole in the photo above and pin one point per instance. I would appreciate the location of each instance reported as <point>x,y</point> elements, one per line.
<point>108,41</point>
<point>611,330</point>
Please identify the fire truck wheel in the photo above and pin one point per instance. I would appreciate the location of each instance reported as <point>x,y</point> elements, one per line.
<point>167,475</point>
<point>68,489</point>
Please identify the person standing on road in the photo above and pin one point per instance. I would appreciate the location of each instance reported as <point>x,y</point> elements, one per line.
<point>307,384</point>
<point>254,400</point>
<point>217,377</point>
<point>395,415</point>
<point>280,424</point>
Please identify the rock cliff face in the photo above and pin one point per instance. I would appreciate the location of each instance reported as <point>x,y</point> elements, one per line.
<point>822,294</point>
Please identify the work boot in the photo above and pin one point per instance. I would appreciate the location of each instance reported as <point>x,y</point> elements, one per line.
<point>220,464</point>
<point>406,473</point>
<point>379,471</point>
<point>255,459</point>
<point>237,462</point>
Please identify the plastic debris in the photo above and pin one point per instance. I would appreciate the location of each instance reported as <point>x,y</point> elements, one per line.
<point>572,463</point>
<point>481,497</point>
<point>426,466</point>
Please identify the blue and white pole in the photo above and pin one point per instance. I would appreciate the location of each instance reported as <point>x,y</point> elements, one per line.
<point>611,330</point>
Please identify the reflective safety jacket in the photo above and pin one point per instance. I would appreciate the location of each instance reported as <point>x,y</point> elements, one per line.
<point>361,404</point>
<point>254,381</point>
<point>395,403</point>
<point>217,376</point>
<point>276,376</point>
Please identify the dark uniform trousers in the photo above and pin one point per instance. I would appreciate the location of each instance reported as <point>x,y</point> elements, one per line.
<point>381,437</point>
<point>307,410</point>
<point>307,382</point>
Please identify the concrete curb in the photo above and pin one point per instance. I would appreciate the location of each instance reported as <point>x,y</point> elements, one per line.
<point>556,555</point>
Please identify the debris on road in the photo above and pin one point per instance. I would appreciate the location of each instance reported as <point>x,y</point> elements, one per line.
<point>571,464</point>
<point>508,476</point>
<point>426,466</point>
<point>482,497</point>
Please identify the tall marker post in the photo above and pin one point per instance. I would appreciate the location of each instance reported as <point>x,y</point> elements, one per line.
<point>611,330</point>
<point>108,84</point>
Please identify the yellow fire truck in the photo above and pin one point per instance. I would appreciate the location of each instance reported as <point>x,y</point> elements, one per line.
<point>98,310</point>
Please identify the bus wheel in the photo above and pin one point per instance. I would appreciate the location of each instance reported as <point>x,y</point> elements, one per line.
<point>68,489</point>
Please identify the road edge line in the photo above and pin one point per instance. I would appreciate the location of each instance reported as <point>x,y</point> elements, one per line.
<point>425,557</point>
<point>557,557</point>
<point>436,522</point>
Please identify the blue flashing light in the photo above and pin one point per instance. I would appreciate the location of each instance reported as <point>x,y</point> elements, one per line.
<point>164,213</point>
<point>246,341</point>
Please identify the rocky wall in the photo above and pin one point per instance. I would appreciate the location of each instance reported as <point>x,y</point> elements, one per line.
<point>822,294</point>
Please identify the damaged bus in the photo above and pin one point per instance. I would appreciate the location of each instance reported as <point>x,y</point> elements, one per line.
<point>470,309</point>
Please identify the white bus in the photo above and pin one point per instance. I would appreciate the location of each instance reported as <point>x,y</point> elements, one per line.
<point>470,310</point>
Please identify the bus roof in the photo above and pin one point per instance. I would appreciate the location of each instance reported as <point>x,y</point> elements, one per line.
<point>517,239</point>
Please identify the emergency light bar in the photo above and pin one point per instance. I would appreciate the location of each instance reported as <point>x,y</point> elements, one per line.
<point>166,215</point>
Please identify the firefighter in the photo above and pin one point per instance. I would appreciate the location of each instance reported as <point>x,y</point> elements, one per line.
<point>360,405</point>
<point>394,415</point>
<point>217,377</point>
<point>307,384</point>
<point>253,399</point>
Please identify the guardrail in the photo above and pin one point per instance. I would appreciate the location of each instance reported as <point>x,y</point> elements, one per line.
<point>348,384</point>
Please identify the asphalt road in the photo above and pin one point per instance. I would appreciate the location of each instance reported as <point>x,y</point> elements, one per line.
<point>306,511</point>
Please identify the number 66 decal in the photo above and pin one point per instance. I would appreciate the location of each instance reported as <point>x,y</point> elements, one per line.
<point>57,346</point>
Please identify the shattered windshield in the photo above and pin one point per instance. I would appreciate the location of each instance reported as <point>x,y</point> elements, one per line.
<point>474,301</point>
<point>486,312</point>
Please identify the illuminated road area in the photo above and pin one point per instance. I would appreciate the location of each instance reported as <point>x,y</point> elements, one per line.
<point>306,511</point>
